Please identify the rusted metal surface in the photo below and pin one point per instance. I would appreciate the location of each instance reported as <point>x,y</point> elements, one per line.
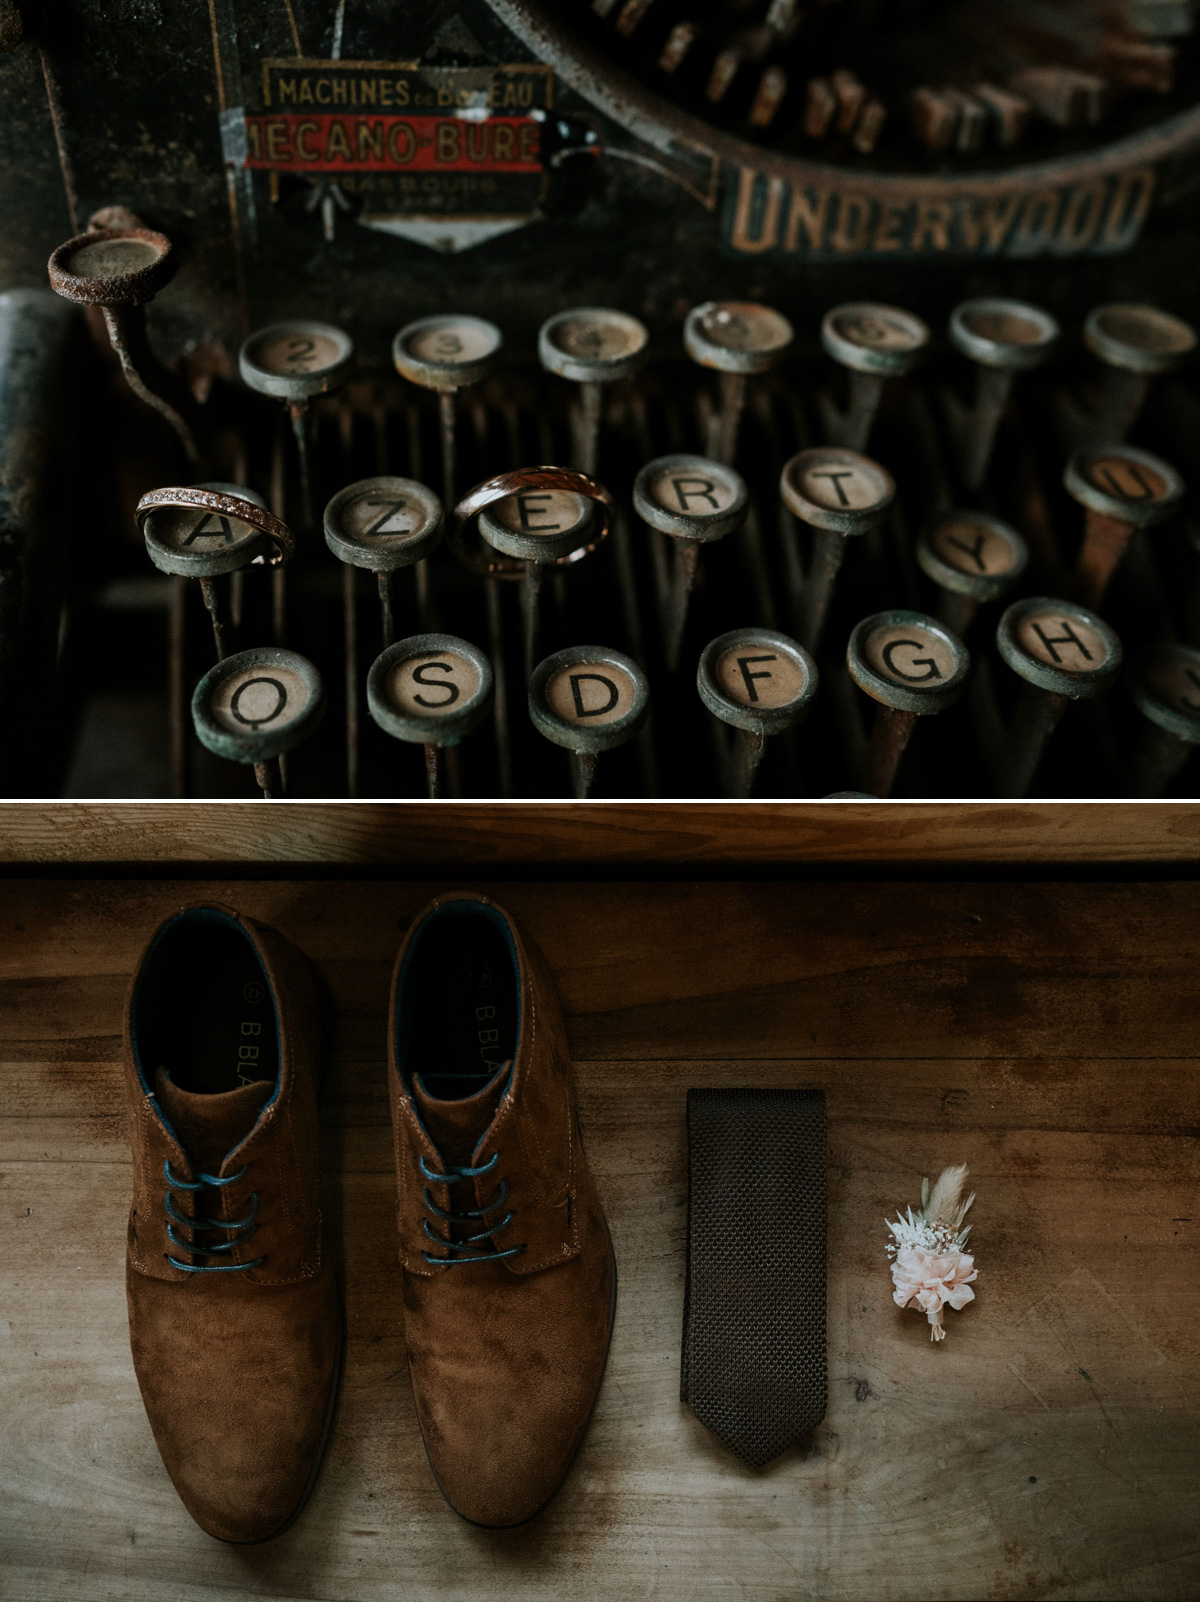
<point>113,266</point>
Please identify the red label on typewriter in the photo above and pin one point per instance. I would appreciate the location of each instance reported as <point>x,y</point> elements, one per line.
<point>336,142</point>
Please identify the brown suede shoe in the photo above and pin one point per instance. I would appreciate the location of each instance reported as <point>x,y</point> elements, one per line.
<point>509,1279</point>
<point>236,1323</point>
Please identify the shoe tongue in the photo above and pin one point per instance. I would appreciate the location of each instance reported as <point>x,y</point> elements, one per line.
<point>457,1127</point>
<point>210,1126</point>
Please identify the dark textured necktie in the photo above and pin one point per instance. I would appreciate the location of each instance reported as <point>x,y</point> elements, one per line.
<point>754,1368</point>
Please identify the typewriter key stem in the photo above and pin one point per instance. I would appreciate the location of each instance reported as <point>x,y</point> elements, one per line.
<point>1121,488</point>
<point>433,771</point>
<point>384,582</point>
<point>127,336</point>
<point>1000,338</point>
<point>500,701</point>
<point>531,593</point>
<point>583,773</point>
<point>350,635</point>
<point>446,415</point>
<point>298,412</point>
<point>209,591</point>
<point>269,777</point>
<point>749,746</point>
<point>1036,717</point>
<point>852,428</point>
<point>874,343</point>
<point>829,550</point>
<point>1122,396</point>
<point>1105,541</point>
<point>176,689</point>
<point>685,566</point>
<point>890,735</point>
<point>993,386</point>
<point>591,400</point>
<point>1136,344</point>
<point>1161,755</point>
<point>727,420</point>
<point>956,611</point>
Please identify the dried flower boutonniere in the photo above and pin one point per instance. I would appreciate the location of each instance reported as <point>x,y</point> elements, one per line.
<point>930,1267</point>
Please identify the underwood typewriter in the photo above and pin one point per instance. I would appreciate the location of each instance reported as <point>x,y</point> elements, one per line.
<point>612,398</point>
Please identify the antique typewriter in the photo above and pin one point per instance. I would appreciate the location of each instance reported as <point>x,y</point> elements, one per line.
<point>624,398</point>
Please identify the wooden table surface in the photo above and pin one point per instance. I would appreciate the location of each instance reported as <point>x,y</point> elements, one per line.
<point>1046,1034</point>
<point>639,838</point>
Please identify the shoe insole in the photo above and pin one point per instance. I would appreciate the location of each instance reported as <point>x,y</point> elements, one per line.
<point>207,1016</point>
<point>464,1000</point>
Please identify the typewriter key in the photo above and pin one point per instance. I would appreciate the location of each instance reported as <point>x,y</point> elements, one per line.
<point>694,500</point>
<point>1122,489</point>
<point>592,346</point>
<point>735,337</point>
<point>1064,653</point>
<point>839,494</point>
<point>972,558</point>
<point>1136,344</point>
<point>447,353</point>
<point>875,343</point>
<point>1002,338</point>
<point>430,690</point>
<point>1165,686</point>
<point>382,524</point>
<point>588,699</point>
<point>256,705</point>
<point>292,362</point>
<point>120,270</point>
<point>202,531</point>
<point>914,667</point>
<point>537,527</point>
<point>759,683</point>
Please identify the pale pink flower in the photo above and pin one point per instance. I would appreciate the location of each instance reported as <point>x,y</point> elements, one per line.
<point>930,1269</point>
<point>931,1280</point>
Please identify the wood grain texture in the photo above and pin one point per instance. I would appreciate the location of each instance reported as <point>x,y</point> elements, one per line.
<point>1049,1448</point>
<point>631,837</point>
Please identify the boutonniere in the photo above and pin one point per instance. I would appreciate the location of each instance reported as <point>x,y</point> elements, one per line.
<point>930,1269</point>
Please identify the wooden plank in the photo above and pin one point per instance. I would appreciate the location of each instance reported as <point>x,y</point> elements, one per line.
<point>637,837</point>
<point>720,970</point>
<point>1050,1447</point>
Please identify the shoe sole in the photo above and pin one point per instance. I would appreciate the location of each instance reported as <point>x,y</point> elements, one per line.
<point>518,1523</point>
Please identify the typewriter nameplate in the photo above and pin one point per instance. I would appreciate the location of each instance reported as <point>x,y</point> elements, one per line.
<point>823,214</point>
<point>416,145</point>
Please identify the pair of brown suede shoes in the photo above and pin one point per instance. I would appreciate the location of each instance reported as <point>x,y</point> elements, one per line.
<point>235,1316</point>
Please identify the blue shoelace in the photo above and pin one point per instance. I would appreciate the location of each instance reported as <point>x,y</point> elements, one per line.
<point>239,1229</point>
<point>472,1244</point>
